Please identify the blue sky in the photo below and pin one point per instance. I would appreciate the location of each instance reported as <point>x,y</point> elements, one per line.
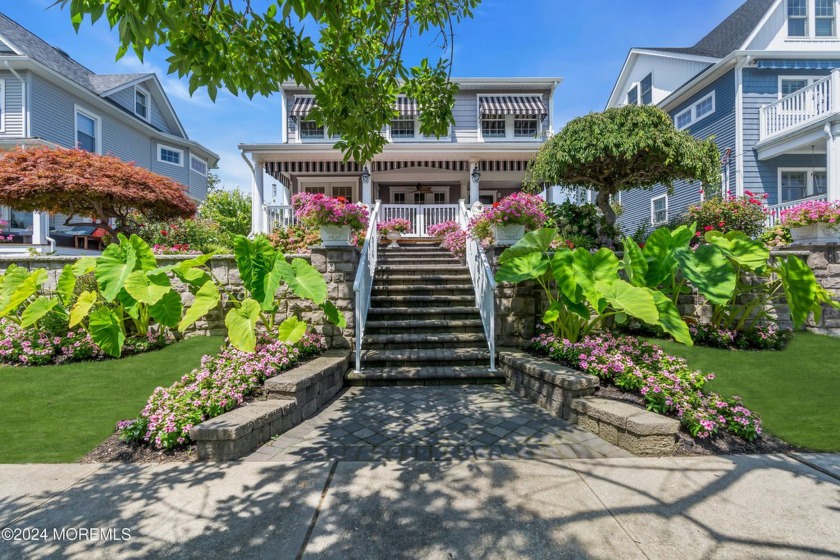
<point>583,45</point>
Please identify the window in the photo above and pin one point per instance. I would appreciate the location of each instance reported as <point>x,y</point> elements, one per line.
<point>824,25</point>
<point>313,186</point>
<point>315,190</point>
<point>791,85</point>
<point>646,87</point>
<point>659,209</point>
<point>88,131</point>
<point>683,119</point>
<point>399,198</point>
<point>402,127</point>
<point>167,154</point>
<point>796,184</point>
<point>141,103</point>
<point>698,110</point>
<point>310,130</point>
<point>440,198</point>
<point>525,126</point>
<point>346,192</point>
<point>633,95</point>
<point>797,18</point>
<point>493,126</point>
<point>198,165</point>
<point>820,182</point>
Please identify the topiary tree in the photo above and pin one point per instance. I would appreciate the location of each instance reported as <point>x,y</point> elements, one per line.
<point>81,184</point>
<point>623,148</point>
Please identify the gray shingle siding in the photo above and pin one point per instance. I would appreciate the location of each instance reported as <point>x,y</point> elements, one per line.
<point>13,115</point>
<point>720,125</point>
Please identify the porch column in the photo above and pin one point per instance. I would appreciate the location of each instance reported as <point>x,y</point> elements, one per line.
<point>258,220</point>
<point>474,184</point>
<point>40,228</point>
<point>832,161</point>
<point>367,184</point>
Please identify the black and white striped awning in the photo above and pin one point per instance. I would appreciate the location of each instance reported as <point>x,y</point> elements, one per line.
<point>407,106</point>
<point>302,106</point>
<point>513,105</point>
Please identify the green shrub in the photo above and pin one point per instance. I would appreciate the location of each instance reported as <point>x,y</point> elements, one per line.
<point>230,210</point>
<point>185,236</point>
<point>745,214</point>
<point>578,223</point>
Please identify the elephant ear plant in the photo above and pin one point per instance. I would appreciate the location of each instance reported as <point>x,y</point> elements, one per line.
<point>584,291</point>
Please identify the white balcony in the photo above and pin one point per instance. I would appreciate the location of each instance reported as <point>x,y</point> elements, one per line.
<point>801,109</point>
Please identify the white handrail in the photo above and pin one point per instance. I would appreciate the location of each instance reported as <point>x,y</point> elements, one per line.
<point>280,216</point>
<point>802,106</point>
<point>483,283</point>
<point>421,216</point>
<point>363,285</point>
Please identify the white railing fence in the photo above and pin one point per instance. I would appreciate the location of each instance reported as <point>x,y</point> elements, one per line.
<point>807,104</point>
<point>363,285</point>
<point>280,217</point>
<point>774,213</point>
<point>421,216</point>
<point>483,282</point>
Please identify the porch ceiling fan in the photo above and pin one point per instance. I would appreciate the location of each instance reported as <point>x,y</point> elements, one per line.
<point>425,189</point>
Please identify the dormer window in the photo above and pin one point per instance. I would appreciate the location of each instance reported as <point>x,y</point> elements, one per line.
<point>511,117</point>
<point>403,127</point>
<point>311,130</point>
<point>141,103</point>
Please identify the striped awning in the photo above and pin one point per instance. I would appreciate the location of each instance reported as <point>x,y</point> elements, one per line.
<point>302,106</point>
<point>786,64</point>
<point>512,105</point>
<point>407,106</point>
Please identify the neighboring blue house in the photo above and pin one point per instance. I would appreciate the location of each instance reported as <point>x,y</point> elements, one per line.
<point>766,84</point>
<point>47,98</point>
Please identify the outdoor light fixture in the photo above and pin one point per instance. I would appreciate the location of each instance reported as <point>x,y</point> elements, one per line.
<point>476,174</point>
<point>365,175</point>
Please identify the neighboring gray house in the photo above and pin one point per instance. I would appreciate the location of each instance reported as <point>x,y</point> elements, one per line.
<point>766,84</point>
<point>47,98</point>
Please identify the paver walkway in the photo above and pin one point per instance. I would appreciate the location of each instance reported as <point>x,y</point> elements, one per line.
<point>432,424</point>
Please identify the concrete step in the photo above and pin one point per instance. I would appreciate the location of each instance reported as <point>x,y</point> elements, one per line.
<point>413,341</point>
<point>422,313</point>
<point>426,261</point>
<point>402,279</point>
<point>419,268</point>
<point>424,326</point>
<point>417,300</point>
<point>424,357</point>
<point>425,375</point>
<point>386,290</point>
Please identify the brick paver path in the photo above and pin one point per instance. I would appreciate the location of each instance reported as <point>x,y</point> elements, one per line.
<point>431,424</point>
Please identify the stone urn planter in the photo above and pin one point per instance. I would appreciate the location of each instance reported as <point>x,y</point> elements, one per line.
<point>815,234</point>
<point>393,237</point>
<point>335,236</point>
<point>509,234</point>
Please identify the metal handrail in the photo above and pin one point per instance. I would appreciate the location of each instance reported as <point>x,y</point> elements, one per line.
<point>363,285</point>
<point>483,283</point>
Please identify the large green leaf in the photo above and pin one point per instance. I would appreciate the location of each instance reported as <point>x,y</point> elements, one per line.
<point>333,315</point>
<point>590,268</point>
<point>146,259</point>
<point>303,279</point>
<point>632,300</point>
<point>800,288</point>
<point>751,254</point>
<point>206,299</point>
<point>147,286</point>
<point>36,310</point>
<point>167,310</point>
<point>23,285</point>
<point>84,265</point>
<point>522,268</point>
<point>104,328</point>
<point>291,330</point>
<point>129,305</point>
<point>709,271</point>
<point>193,277</point>
<point>563,271</point>
<point>13,279</point>
<point>254,259</point>
<point>81,308</point>
<point>241,323</point>
<point>634,263</point>
<point>66,284</point>
<point>113,267</point>
<point>537,241</point>
<point>552,314</point>
<point>670,319</point>
<point>659,253</point>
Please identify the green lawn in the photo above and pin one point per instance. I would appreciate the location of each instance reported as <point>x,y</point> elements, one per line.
<point>796,391</point>
<point>56,414</point>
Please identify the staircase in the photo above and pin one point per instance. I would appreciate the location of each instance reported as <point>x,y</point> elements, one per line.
<point>423,327</point>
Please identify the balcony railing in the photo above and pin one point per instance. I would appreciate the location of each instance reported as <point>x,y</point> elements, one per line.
<point>280,217</point>
<point>806,105</point>
<point>774,213</point>
<point>421,216</point>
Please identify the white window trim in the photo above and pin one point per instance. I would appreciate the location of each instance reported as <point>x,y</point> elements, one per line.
<point>165,147</point>
<point>693,109</point>
<point>327,183</point>
<point>810,25</point>
<point>96,119</point>
<point>508,137</point>
<point>809,79</point>
<point>144,91</point>
<point>2,105</point>
<point>809,180</point>
<point>653,221</point>
<point>192,157</point>
<point>411,190</point>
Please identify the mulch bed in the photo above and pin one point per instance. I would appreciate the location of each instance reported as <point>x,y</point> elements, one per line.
<point>112,450</point>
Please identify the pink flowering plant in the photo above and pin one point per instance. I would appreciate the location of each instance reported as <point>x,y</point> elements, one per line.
<point>763,336</point>
<point>8,237</point>
<point>812,212</point>
<point>666,383</point>
<point>517,209</point>
<point>746,214</point>
<point>453,236</point>
<point>222,382</point>
<point>398,225</point>
<point>321,210</point>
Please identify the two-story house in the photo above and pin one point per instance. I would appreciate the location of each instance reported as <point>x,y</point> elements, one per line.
<point>47,98</point>
<point>766,84</point>
<point>500,123</point>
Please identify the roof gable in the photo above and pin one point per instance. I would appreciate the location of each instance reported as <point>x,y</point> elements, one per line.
<point>733,32</point>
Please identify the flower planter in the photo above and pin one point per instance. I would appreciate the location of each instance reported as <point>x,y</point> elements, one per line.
<point>815,234</point>
<point>393,237</point>
<point>335,236</point>
<point>508,234</point>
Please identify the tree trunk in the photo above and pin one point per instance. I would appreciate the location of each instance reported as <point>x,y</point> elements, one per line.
<point>607,232</point>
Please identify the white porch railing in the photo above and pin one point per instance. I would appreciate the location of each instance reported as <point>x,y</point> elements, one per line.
<point>421,216</point>
<point>279,217</point>
<point>774,213</point>
<point>363,284</point>
<point>483,282</point>
<point>800,107</point>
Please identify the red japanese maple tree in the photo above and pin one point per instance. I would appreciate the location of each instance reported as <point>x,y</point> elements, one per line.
<point>81,184</point>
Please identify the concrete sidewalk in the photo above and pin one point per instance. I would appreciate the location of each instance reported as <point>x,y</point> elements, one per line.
<point>699,507</point>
